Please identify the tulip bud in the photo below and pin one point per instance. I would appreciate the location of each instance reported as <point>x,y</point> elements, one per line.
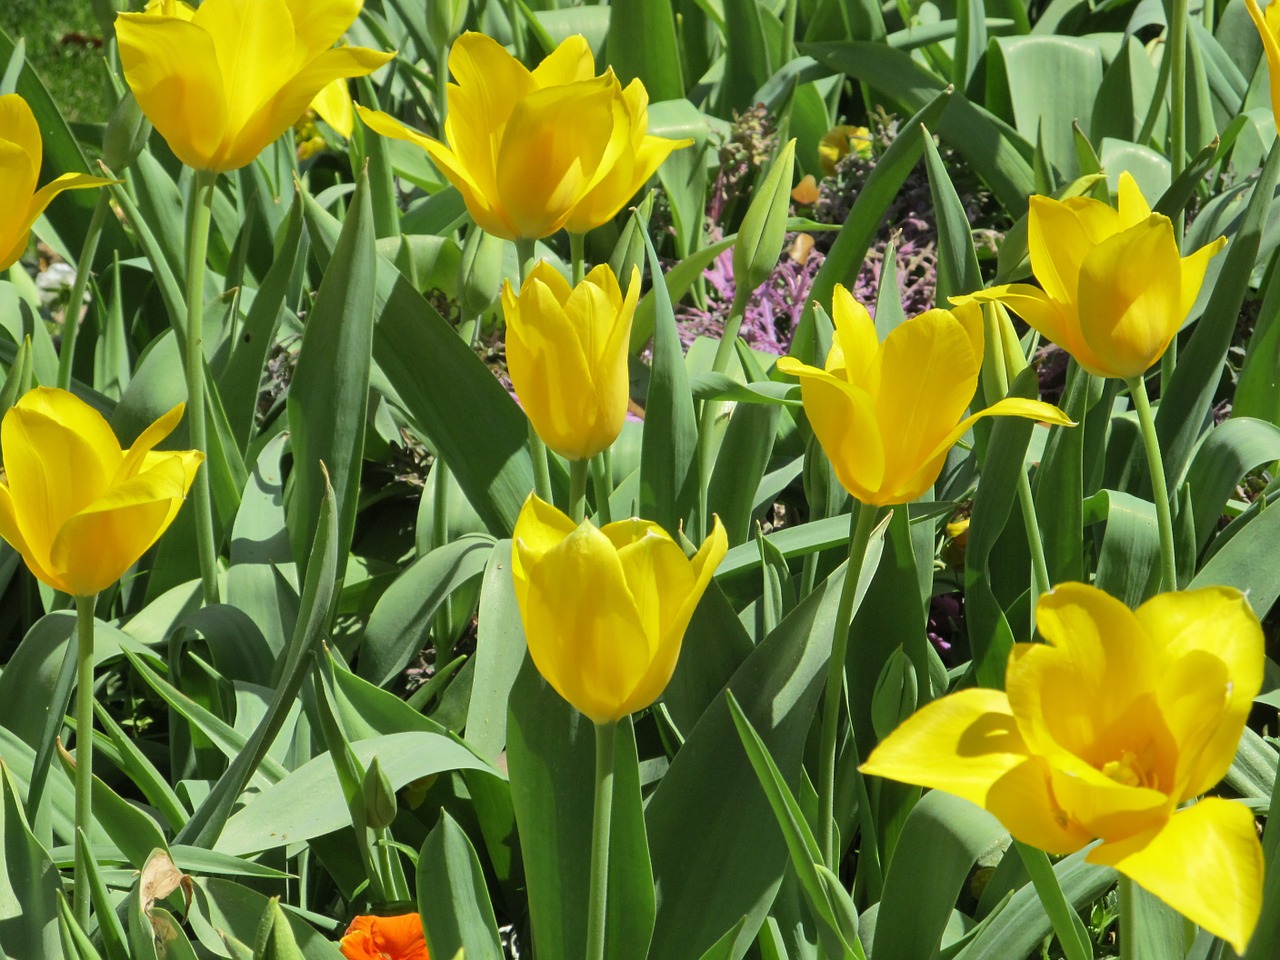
<point>379,797</point>
<point>764,228</point>
<point>895,695</point>
<point>127,133</point>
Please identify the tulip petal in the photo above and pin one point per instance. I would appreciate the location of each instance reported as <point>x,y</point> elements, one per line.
<point>1271,47</point>
<point>855,345</point>
<point>319,24</point>
<point>94,548</point>
<point>172,67</point>
<point>568,63</point>
<point>160,428</point>
<point>1097,661</point>
<point>1134,208</point>
<point>68,181</point>
<point>1059,237</point>
<point>60,455</point>
<point>844,420</point>
<point>1130,296</point>
<point>1205,862</point>
<point>583,629</point>
<point>558,144</point>
<point>11,531</point>
<point>18,126</point>
<point>540,527</point>
<point>1023,801</point>
<point>1193,270</point>
<point>279,113</point>
<point>17,181</point>
<point>1219,623</point>
<point>928,373</point>
<point>962,743</point>
<point>247,39</point>
<point>335,107</point>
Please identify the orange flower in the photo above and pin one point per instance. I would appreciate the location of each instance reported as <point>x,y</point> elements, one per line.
<point>385,938</point>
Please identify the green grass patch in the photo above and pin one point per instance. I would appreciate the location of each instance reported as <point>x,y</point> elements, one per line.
<point>64,48</point>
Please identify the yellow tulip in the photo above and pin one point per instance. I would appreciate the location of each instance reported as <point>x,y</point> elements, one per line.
<point>605,610</point>
<point>534,151</point>
<point>222,82</point>
<point>21,148</point>
<point>79,509</point>
<point>887,413</point>
<point>1103,732</point>
<point>1268,25</point>
<point>567,356</point>
<point>838,142</point>
<point>1115,291</point>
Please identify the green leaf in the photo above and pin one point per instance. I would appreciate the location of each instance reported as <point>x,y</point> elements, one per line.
<point>224,908</point>
<point>958,271</point>
<point>452,892</point>
<point>1129,557</point>
<point>275,940</point>
<point>28,881</point>
<point>1227,454</point>
<point>1244,561</point>
<point>642,43</point>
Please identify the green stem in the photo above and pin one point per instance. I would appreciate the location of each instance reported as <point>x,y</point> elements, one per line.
<point>577,248</point>
<point>861,522</point>
<point>439,537</point>
<point>711,408</point>
<point>202,187</point>
<point>1066,924</point>
<point>578,470</point>
<point>1157,100</point>
<point>1128,919</point>
<point>1178,90</point>
<point>603,486</point>
<point>526,250</point>
<point>71,319</point>
<point>1164,519</point>
<point>606,734</point>
<point>84,754</point>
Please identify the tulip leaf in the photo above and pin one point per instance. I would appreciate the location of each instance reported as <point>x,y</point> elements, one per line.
<point>958,271</point>
<point>1059,485</point>
<point>28,881</point>
<point>452,892</point>
<point>695,834</point>
<point>1228,453</point>
<point>1257,391</point>
<point>642,43</point>
<point>740,466</point>
<point>132,832</point>
<point>1244,562</point>
<point>225,908</point>
<point>846,255</point>
<point>499,653</point>
<point>329,391</point>
<point>434,375</point>
<point>1189,394</point>
<point>750,57</point>
<point>677,282</point>
<point>1129,558</point>
<point>398,626</point>
<point>668,477</point>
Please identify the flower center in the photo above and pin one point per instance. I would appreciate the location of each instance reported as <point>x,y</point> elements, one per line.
<point>1128,771</point>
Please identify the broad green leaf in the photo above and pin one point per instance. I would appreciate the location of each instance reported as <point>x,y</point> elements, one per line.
<point>499,653</point>
<point>1228,453</point>
<point>958,271</point>
<point>29,882</point>
<point>452,892</point>
<point>1243,561</point>
<point>223,907</point>
<point>642,43</point>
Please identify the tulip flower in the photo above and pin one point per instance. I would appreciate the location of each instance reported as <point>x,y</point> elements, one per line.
<point>534,151</point>
<point>223,81</point>
<point>567,356</point>
<point>385,938</point>
<point>21,148</point>
<point>1114,290</point>
<point>605,610</point>
<point>1268,25</point>
<point>887,413</point>
<point>1103,733</point>
<point>78,508</point>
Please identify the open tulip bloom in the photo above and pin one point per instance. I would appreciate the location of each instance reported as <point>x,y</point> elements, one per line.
<point>78,508</point>
<point>223,81</point>
<point>1268,24</point>
<point>21,147</point>
<point>605,610</point>
<point>534,151</point>
<point>1104,732</point>
<point>887,413</point>
<point>567,356</point>
<point>1113,290</point>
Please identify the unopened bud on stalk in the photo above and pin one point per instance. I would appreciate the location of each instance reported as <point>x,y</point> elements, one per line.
<point>379,797</point>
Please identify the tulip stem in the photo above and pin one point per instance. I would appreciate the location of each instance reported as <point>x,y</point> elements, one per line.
<point>861,523</point>
<point>71,319</point>
<point>84,755</point>
<point>600,481</point>
<point>1159,489</point>
<point>1177,53</point>
<point>578,470</point>
<point>1066,924</point>
<point>606,735</point>
<point>577,255</point>
<point>1128,918</point>
<point>202,186</point>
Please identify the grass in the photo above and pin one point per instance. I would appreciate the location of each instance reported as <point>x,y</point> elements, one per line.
<point>60,37</point>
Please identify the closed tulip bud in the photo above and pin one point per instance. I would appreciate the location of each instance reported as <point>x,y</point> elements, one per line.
<point>764,228</point>
<point>567,356</point>
<point>379,797</point>
<point>21,203</point>
<point>127,133</point>
<point>1113,290</point>
<point>78,508</point>
<point>605,610</point>
<point>1105,732</point>
<point>887,413</point>
<point>534,151</point>
<point>223,81</point>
